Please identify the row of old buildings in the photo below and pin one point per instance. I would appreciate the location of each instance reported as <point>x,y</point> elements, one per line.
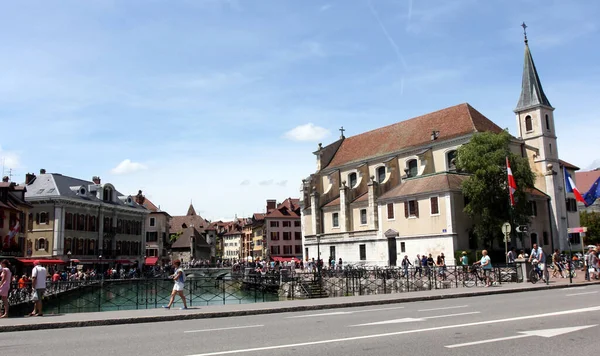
<point>62,220</point>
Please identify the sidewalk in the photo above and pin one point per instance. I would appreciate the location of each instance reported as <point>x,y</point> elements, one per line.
<point>50,321</point>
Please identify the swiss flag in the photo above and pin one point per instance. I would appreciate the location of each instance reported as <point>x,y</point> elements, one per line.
<point>512,185</point>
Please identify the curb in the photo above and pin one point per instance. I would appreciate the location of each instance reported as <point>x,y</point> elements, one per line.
<point>275,310</point>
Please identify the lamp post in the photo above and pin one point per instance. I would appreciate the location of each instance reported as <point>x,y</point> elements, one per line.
<point>101,268</point>
<point>70,262</point>
<point>319,255</point>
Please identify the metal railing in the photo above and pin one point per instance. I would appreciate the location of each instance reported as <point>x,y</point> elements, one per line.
<point>249,287</point>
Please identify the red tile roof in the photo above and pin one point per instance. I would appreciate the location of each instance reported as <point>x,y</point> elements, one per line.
<point>536,192</point>
<point>290,208</point>
<point>584,180</point>
<point>334,202</point>
<point>443,182</point>
<point>451,122</point>
<point>363,197</point>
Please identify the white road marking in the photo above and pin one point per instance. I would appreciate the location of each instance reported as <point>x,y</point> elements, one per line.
<point>543,333</point>
<point>220,329</point>
<point>341,313</point>
<point>408,320</point>
<point>321,314</point>
<point>577,288</point>
<point>432,309</point>
<point>373,336</point>
<point>574,294</point>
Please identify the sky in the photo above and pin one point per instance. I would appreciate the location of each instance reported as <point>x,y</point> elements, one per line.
<point>222,102</point>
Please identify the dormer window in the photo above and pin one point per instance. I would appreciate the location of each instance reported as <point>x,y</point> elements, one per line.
<point>412,167</point>
<point>381,174</point>
<point>352,180</point>
<point>107,194</point>
<point>451,160</point>
<point>528,123</point>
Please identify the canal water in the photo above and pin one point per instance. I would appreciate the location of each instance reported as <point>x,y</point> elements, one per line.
<point>113,295</point>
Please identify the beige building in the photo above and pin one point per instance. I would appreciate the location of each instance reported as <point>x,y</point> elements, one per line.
<point>88,222</point>
<point>157,232</point>
<point>258,236</point>
<point>394,191</point>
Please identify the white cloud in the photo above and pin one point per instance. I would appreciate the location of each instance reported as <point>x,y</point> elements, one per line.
<point>245,182</point>
<point>128,167</point>
<point>282,183</point>
<point>308,132</point>
<point>325,7</point>
<point>9,159</point>
<point>266,182</point>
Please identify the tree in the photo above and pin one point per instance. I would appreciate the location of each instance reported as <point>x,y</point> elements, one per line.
<point>486,190</point>
<point>592,222</point>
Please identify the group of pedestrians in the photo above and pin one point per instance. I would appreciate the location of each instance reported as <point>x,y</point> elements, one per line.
<point>38,287</point>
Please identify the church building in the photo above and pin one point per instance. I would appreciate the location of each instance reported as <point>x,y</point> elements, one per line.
<point>394,191</point>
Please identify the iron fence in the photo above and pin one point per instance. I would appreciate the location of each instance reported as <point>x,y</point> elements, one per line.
<point>249,287</point>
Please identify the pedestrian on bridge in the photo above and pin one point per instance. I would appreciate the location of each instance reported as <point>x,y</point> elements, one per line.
<point>5,280</point>
<point>179,278</point>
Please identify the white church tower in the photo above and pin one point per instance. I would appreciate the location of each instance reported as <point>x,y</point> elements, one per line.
<point>535,126</point>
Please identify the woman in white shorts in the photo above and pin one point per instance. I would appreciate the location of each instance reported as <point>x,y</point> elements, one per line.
<point>179,278</point>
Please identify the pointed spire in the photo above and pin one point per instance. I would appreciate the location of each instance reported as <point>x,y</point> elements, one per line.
<point>191,210</point>
<point>532,94</point>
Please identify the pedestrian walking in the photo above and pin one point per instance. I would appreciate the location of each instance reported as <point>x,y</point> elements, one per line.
<point>486,266</point>
<point>5,279</point>
<point>418,267</point>
<point>38,284</point>
<point>405,263</point>
<point>179,278</point>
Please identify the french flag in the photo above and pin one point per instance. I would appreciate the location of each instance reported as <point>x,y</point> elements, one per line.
<point>571,188</point>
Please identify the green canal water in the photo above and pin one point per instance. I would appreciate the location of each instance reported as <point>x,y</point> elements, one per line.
<point>148,294</point>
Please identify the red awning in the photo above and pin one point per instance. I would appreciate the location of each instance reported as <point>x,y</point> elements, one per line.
<point>29,261</point>
<point>124,262</point>
<point>151,261</point>
<point>283,259</point>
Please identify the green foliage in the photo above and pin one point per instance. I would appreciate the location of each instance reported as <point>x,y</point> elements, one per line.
<point>175,236</point>
<point>486,191</point>
<point>592,222</point>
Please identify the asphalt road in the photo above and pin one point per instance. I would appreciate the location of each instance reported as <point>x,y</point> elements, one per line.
<point>550,322</point>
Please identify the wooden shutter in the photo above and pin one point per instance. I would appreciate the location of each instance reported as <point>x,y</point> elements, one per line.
<point>406,212</point>
<point>416,208</point>
<point>37,221</point>
<point>390,210</point>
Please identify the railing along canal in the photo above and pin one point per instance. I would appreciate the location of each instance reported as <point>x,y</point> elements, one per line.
<point>248,287</point>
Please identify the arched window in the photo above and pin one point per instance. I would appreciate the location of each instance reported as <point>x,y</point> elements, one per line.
<point>41,244</point>
<point>451,160</point>
<point>528,123</point>
<point>381,174</point>
<point>352,179</point>
<point>547,123</point>
<point>412,168</point>
<point>43,218</point>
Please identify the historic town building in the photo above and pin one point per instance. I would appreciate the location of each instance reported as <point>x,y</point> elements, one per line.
<point>394,191</point>
<point>88,222</point>
<point>283,230</point>
<point>258,236</point>
<point>188,237</point>
<point>14,218</point>
<point>157,232</point>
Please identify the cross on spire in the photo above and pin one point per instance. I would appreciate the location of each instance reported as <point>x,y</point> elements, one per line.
<point>524,31</point>
<point>342,132</point>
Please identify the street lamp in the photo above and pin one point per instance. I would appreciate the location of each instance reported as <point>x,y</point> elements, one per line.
<point>101,267</point>
<point>319,255</point>
<point>70,262</point>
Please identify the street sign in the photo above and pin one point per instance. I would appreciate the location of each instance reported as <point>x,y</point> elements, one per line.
<point>507,237</point>
<point>575,230</point>
<point>506,228</point>
<point>521,228</point>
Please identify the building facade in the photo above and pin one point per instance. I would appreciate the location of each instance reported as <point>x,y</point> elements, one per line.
<point>258,236</point>
<point>283,230</point>
<point>157,232</point>
<point>394,191</point>
<point>89,222</point>
<point>187,237</point>
<point>14,218</point>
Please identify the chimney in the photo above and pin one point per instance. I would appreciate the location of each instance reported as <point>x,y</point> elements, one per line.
<point>96,180</point>
<point>139,198</point>
<point>5,179</point>
<point>29,178</point>
<point>271,205</point>
<point>42,171</point>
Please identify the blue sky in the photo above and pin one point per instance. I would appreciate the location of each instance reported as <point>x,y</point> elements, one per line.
<point>223,102</point>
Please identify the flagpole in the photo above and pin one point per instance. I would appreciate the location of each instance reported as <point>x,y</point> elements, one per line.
<point>564,174</point>
<point>510,213</point>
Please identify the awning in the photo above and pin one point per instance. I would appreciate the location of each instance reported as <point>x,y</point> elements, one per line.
<point>283,259</point>
<point>151,261</point>
<point>124,262</point>
<point>29,261</point>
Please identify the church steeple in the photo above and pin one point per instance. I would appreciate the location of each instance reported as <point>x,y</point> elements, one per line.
<point>532,94</point>
<point>191,211</point>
